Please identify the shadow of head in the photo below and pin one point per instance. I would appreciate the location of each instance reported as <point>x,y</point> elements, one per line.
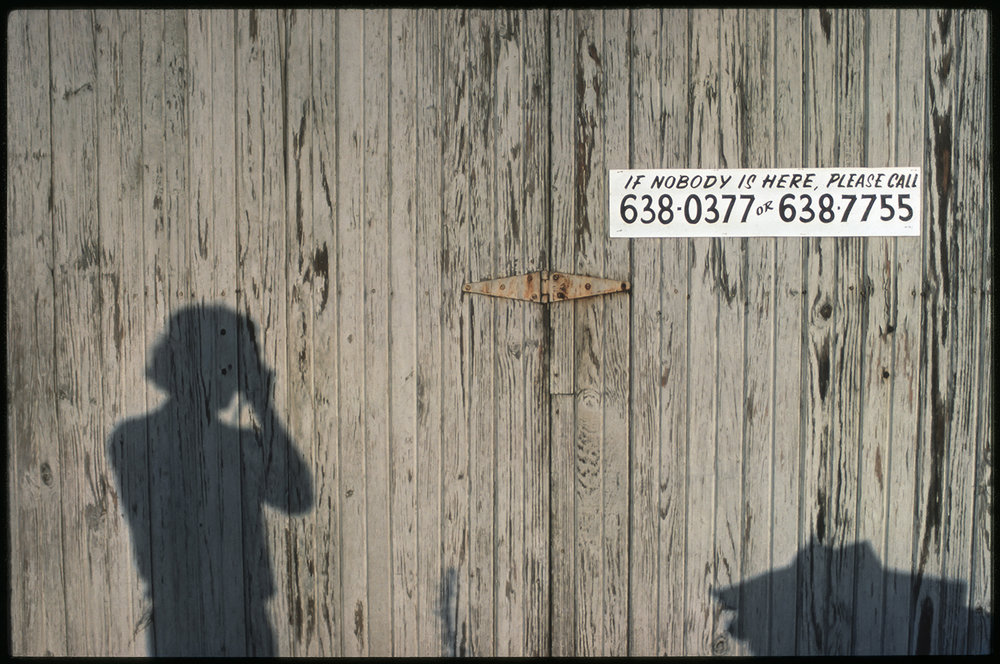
<point>835,590</point>
<point>212,345</point>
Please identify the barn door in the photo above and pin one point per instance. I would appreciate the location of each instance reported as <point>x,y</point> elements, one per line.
<point>494,476</point>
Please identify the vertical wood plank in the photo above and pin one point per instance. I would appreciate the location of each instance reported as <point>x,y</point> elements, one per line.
<point>790,389</point>
<point>301,282</point>
<point>249,165</point>
<point>211,44</point>
<point>196,627</point>
<point>119,172</point>
<point>453,596</point>
<point>615,448</point>
<point>165,181</point>
<point>481,424</point>
<point>510,233</point>
<point>429,486</point>
<point>200,161</point>
<point>294,494</point>
<point>78,344</point>
<point>821,35</point>
<point>982,583</point>
<point>673,453</point>
<point>325,334</point>
<point>729,271</point>
<point>963,292</point>
<point>878,340</point>
<point>224,224</point>
<point>352,377</point>
<point>981,624</point>
<point>262,299</point>
<point>849,309</point>
<point>900,470</point>
<point>402,330</point>
<point>167,130</point>
<point>188,632</point>
<point>561,478</point>
<point>228,594</point>
<point>155,245</point>
<point>757,135</point>
<point>703,339</point>
<point>536,469</point>
<point>375,284</point>
<point>37,599</point>
<point>588,333</point>
<point>939,277</point>
<point>157,281</point>
<point>646,270</point>
<point>456,354</point>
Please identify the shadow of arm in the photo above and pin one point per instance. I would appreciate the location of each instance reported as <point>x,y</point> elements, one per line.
<point>288,481</point>
<point>128,458</point>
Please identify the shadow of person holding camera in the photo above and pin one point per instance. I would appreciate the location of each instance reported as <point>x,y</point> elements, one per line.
<point>193,481</point>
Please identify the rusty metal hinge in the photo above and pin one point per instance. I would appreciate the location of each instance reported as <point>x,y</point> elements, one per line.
<point>543,286</point>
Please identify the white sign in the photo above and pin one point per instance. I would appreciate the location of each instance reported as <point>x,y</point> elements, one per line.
<point>783,202</point>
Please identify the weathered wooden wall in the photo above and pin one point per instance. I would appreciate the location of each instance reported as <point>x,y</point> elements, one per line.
<point>809,418</point>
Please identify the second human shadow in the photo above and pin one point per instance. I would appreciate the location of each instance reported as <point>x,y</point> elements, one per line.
<point>824,611</point>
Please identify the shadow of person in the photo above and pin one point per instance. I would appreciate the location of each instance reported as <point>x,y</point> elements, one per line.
<point>193,485</point>
<point>811,608</point>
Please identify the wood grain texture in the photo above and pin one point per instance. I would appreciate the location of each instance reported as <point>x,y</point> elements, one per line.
<point>852,302</point>
<point>164,76</point>
<point>352,376</point>
<point>790,386</point>
<point>261,248</point>
<point>562,501</point>
<point>700,613</point>
<point>402,331</point>
<point>482,366</point>
<point>936,391</point>
<point>453,595</point>
<point>78,342</point>
<point>981,582</point>
<point>769,446</point>
<point>118,160</point>
<point>756,135</point>
<point>647,285</point>
<point>616,351</point>
<point>730,272</point>
<point>34,488</point>
<point>878,342</point>
<point>510,232</point>
<point>821,67</point>
<point>323,257</point>
<point>429,406</point>
<point>675,295</point>
<point>301,287</point>
<point>588,333</point>
<point>968,354</point>
<point>536,168</point>
<point>900,467</point>
<point>375,277</point>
